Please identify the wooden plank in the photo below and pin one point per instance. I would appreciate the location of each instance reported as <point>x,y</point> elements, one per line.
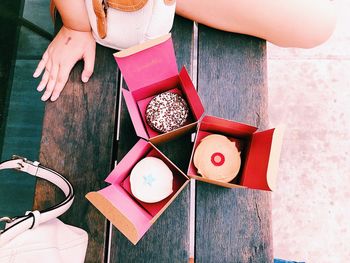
<point>22,137</point>
<point>168,238</point>
<point>8,45</point>
<point>31,46</point>
<point>77,141</point>
<point>37,12</point>
<point>25,113</point>
<point>232,225</point>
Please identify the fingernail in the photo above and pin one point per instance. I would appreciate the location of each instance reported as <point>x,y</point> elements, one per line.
<point>35,74</point>
<point>44,97</point>
<point>54,97</point>
<point>85,79</point>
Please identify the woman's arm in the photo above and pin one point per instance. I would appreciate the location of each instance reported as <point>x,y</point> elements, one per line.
<point>288,23</point>
<point>73,42</point>
<point>73,14</point>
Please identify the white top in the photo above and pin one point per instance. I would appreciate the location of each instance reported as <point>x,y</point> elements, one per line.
<point>126,29</point>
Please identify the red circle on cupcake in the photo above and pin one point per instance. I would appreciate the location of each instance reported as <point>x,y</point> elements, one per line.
<point>217,159</point>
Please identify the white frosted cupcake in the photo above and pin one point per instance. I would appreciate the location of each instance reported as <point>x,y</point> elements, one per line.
<point>151,180</point>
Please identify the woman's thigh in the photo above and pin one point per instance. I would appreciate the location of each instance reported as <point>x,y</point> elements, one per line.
<point>289,23</point>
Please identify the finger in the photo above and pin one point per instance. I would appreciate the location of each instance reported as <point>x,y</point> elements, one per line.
<point>89,61</point>
<point>62,79</point>
<point>51,83</point>
<point>43,81</point>
<point>41,66</point>
<point>45,77</point>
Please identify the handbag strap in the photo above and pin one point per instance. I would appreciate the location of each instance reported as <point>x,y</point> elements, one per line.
<point>99,7</point>
<point>31,219</point>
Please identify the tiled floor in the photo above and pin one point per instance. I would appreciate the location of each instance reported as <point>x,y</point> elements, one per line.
<point>309,91</point>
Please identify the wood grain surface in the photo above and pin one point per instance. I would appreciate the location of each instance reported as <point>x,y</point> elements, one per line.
<point>232,225</point>
<point>168,239</point>
<point>77,141</point>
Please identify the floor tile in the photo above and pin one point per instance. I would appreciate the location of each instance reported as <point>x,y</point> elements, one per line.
<point>311,205</point>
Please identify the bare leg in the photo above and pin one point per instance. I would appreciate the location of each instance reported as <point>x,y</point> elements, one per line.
<point>287,23</point>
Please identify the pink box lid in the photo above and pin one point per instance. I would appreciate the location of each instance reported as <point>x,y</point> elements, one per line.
<point>260,171</point>
<point>147,63</point>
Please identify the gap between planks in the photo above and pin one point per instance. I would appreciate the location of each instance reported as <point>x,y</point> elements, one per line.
<point>108,241</point>
<point>194,71</point>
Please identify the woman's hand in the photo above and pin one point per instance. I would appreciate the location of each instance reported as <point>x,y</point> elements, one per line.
<point>65,50</point>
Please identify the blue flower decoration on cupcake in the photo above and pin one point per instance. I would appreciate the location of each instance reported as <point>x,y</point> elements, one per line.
<point>151,180</point>
<point>148,179</point>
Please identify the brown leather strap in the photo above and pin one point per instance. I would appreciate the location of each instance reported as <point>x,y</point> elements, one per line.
<point>121,5</point>
<point>100,18</point>
<point>127,5</point>
<point>53,10</point>
<point>169,2</point>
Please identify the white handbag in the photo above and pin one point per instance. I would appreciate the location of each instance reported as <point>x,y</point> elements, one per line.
<point>120,24</point>
<point>39,236</point>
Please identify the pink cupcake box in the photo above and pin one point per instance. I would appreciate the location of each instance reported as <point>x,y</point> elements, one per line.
<point>116,202</point>
<point>150,69</point>
<point>260,152</point>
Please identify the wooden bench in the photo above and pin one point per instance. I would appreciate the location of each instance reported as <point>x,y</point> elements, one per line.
<point>88,128</point>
